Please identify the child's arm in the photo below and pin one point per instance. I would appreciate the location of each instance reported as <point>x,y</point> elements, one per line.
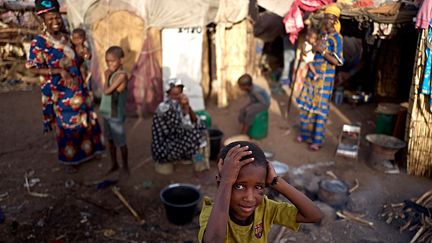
<point>229,168</point>
<point>313,70</point>
<point>119,84</point>
<point>86,53</point>
<point>308,212</point>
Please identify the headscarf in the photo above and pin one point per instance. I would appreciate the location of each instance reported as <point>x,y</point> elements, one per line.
<point>174,82</point>
<point>45,6</point>
<point>334,10</point>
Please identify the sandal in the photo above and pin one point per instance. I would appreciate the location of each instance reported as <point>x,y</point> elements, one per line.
<point>299,139</point>
<point>314,147</point>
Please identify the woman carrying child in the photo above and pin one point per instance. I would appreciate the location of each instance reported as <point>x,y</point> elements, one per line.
<point>315,95</point>
<point>67,104</point>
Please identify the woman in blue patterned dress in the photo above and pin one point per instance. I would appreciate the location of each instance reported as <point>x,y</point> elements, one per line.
<point>67,103</point>
<point>314,97</point>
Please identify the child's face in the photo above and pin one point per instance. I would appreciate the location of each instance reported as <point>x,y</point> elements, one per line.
<point>113,62</point>
<point>248,191</point>
<point>244,87</point>
<point>312,37</point>
<point>77,39</point>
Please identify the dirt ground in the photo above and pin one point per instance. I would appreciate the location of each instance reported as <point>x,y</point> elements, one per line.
<point>76,211</point>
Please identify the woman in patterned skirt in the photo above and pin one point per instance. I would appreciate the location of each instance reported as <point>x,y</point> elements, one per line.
<point>177,133</point>
<point>315,95</point>
<point>67,103</point>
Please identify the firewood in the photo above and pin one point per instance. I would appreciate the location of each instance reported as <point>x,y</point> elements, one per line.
<point>417,235</point>
<point>127,205</point>
<point>331,174</point>
<point>355,187</point>
<point>350,216</point>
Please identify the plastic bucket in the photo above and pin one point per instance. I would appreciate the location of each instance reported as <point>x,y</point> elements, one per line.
<point>205,117</point>
<point>386,118</point>
<point>215,142</point>
<point>385,124</point>
<point>259,127</point>
<point>180,202</point>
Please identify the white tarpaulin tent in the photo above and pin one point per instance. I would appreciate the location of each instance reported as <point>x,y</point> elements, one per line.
<point>160,14</point>
<point>182,58</point>
<point>279,7</point>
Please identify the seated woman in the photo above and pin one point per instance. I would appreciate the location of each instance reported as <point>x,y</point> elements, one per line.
<point>177,133</point>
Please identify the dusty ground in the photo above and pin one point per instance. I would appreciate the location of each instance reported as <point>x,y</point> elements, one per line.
<point>76,211</point>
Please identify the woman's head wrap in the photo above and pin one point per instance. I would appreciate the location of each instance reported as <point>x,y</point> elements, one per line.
<point>334,10</point>
<point>45,6</point>
<point>174,82</point>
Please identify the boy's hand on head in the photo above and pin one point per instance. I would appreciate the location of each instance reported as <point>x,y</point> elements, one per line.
<point>271,173</point>
<point>229,168</point>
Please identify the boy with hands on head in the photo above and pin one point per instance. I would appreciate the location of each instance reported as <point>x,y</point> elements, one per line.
<point>240,211</point>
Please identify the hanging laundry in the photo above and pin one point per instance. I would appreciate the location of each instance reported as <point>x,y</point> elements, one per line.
<point>427,86</point>
<point>424,15</point>
<point>293,20</point>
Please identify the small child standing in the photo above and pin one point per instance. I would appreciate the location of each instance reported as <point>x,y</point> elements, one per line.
<point>78,40</point>
<point>113,105</point>
<point>240,211</point>
<point>259,100</point>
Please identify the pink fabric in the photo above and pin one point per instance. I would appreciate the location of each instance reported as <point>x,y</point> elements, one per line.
<point>424,15</point>
<point>293,20</point>
<point>145,84</point>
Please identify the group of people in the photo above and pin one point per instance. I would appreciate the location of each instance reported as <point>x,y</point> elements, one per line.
<point>67,101</point>
<point>240,211</point>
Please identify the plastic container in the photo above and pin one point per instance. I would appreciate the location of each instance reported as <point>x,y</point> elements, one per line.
<point>180,201</point>
<point>205,117</point>
<point>386,118</point>
<point>215,142</point>
<point>259,127</point>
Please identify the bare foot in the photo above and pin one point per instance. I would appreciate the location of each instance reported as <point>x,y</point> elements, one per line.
<point>314,147</point>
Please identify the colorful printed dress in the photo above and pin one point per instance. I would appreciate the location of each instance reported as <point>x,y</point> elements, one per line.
<point>315,95</point>
<point>67,108</point>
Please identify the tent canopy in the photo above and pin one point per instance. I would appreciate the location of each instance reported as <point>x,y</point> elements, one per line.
<point>160,13</point>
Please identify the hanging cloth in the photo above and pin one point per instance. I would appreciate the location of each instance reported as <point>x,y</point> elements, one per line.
<point>426,88</point>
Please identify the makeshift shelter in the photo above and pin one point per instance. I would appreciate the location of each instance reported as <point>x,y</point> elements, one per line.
<point>419,120</point>
<point>146,24</point>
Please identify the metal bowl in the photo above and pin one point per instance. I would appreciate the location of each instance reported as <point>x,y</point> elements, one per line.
<point>280,168</point>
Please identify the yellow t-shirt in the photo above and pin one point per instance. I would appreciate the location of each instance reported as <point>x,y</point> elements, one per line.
<point>267,213</point>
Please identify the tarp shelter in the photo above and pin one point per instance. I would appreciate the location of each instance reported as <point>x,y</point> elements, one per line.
<point>127,23</point>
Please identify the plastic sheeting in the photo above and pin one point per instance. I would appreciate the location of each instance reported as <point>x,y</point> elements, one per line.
<point>160,13</point>
<point>279,7</point>
<point>145,84</point>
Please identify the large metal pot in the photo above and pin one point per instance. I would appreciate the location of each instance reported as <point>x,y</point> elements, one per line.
<point>333,192</point>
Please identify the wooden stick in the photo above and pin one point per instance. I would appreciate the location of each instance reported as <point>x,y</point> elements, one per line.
<point>331,174</point>
<point>417,235</point>
<point>128,206</point>
<point>280,234</point>
<point>88,200</point>
<point>349,216</point>
<point>19,31</point>
<point>34,194</point>
<point>424,196</point>
<point>355,187</point>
